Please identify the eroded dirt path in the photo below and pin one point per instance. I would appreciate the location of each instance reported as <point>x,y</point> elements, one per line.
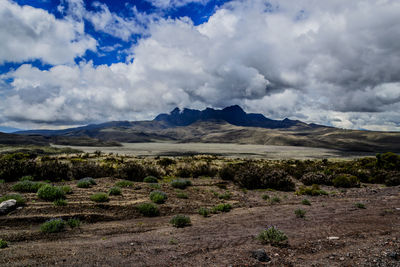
<point>367,237</point>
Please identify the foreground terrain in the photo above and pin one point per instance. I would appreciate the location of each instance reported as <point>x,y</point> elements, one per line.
<point>342,226</point>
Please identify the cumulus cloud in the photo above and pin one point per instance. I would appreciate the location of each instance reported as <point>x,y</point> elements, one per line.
<point>29,33</point>
<point>167,4</point>
<point>329,62</point>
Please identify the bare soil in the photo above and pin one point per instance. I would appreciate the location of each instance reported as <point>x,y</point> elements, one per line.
<point>115,234</point>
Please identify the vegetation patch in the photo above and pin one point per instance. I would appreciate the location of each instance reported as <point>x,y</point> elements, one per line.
<point>26,178</point>
<point>20,199</point>
<point>3,244</point>
<point>148,209</point>
<point>60,202</point>
<point>223,207</point>
<point>314,190</point>
<point>226,196</point>
<point>115,191</point>
<point>360,205</point>
<point>67,189</point>
<point>265,197</point>
<point>306,202</point>
<point>158,197</point>
<point>50,193</point>
<point>273,236</point>
<point>86,182</point>
<point>300,213</point>
<point>27,186</point>
<point>181,183</point>
<point>73,222</point>
<point>204,212</point>
<point>275,200</point>
<point>99,197</point>
<point>124,183</point>
<point>53,226</point>
<point>346,181</point>
<point>182,195</point>
<point>150,179</point>
<point>180,221</point>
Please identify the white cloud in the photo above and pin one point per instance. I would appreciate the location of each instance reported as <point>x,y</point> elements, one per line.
<point>29,33</point>
<point>167,4</point>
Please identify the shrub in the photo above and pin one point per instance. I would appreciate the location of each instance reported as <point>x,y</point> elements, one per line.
<point>227,195</point>
<point>314,190</point>
<point>52,169</point>
<point>275,200</point>
<point>306,202</point>
<point>50,193</point>
<point>67,189</point>
<point>124,183</point>
<point>150,179</point>
<point>311,178</point>
<point>360,205</point>
<point>115,191</point>
<point>265,197</point>
<point>20,200</point>
<point>73,222</point>
<point>83,184</point>
<point>227,172</point>
<point>165,162</point>
<point>53,226</point>
<point>203,169</point>
<point>148,209</point>
<point>300,213</point>
<point>223,207</point>
<point>204,212</point>
<point>26,178</point>
<point>273,236</point>
<point>99,197</point>
<point>392,178</point>
<point>27,186</point>
<point>132,171</point>
<point>181,183</point>
<point>2,181</point>
<point>388,161</point>
<point>158,197</point>
<point>346,181</point>
<point>3,243</point>
<point>180,221</point>
<point>154,186</point>
<point>60,202</point>
<point>182,195</point>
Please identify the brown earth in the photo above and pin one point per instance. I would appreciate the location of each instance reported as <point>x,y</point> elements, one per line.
<point>115,234</point>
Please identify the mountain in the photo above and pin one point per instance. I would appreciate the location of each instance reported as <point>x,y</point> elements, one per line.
<point>5,129</point>
<point>229,125</point>
<point>234,115</point>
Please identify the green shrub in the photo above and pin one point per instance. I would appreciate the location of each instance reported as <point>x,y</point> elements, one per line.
<point>60,202</point>
<point>73,222</point>
<point>275,200</point>
<point>204,212</point>
<point>27,186</point>
<point>181,183</point>
<point>314,190</point>
<point>20,200</point>
<point>99,197</point>
<point>300,213</point>
<point>26,178</point>
<point>53,226</point>
<point>50,193</point>
<point>265,197</point>
<point>227,172</point>
<point>148,209</point>
<point>154,186</point>
<point>3,244</point>
<point>306,202</point>
<point>180,221</point>
<point>150,179</point>
<point>346,181</point>
<point>86,182</point>
<point>166,162</point>
<point>360,205</point>
<point>223,207</point>
<point>132,171</point>
<point>67,189</point>
<point>273,236</point>
<point>388,161</point>
<point>182,195</point>
<point>227,195</point>
<point>158,197</point>
<point>311,178</point>
<point>2,181</point>
<point>115,191</point>
<point>124,183</point>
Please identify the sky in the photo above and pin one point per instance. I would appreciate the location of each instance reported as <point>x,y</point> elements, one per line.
<point>65,63</point>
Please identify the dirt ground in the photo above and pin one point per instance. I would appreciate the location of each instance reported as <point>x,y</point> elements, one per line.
<point>115,234</point>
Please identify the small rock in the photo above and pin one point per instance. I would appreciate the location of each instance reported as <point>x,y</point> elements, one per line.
<point>131,244</point>
<point>333,237</point>
<point>394,255</point>
<point>7,206</point>
<point>260,255</point>
<point>19,208</point>
<point>341,258</point>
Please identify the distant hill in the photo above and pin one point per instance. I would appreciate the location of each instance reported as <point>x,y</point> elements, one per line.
<point>229,125</point>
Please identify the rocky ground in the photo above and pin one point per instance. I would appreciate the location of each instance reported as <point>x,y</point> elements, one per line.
<point>334,231</point>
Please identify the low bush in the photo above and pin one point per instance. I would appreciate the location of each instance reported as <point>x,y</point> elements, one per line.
<point>360,205</point>
<point>346,181</point>
<point>180,221</point>
<point>148,209</point>
<point>73,222</point>
<point>27,186</point>
<point>314,190</point>
<point>227,172</point>
<point>115,191</point>
<point>226,196</point>
<point>311,178</point>
<point>150,179</point>
<point>158,197</point>
<point>20,199</point>
<point>181,183</point>
<point>306,202</point>
<point>204,212</point>
<point>300,213</point>
<point>53,226</point>
<point>99,197</point>
<point>131,171</point>
<point>182,195</point>
<point>26,178</point>
<point>67,189</point>
<point>265,197</point>
<point>60,202</point>
<point>273,236</point>
<point>124,183</point>
<point>165,162</point>
<point>275,200</point>
<point>3,244</point>
<point>223,207</point>
<point>50,193</point>
<point>86,182</point>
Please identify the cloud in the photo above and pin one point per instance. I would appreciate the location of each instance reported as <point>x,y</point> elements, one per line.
<point>29,33</point>
<point>168,4</point>
<point>332,63</point>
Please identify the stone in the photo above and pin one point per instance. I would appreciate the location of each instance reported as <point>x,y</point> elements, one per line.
<point>260,255</point>
<point>333,238</point>
<point>394,255</point>
<point>7,206</point>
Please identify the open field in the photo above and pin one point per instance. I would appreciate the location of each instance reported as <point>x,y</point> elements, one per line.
<point>350,218</point>
<point>221,149</point>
